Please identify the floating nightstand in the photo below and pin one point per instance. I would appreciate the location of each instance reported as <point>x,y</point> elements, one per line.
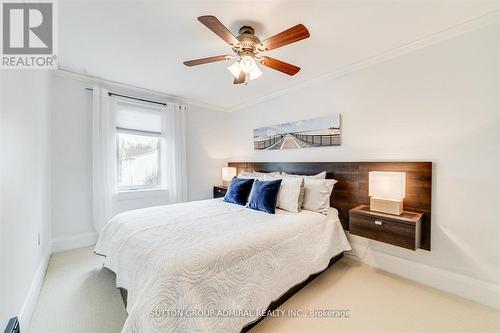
<point>402,230</point>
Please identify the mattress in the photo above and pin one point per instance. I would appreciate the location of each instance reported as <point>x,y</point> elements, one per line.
<point>212,266</point>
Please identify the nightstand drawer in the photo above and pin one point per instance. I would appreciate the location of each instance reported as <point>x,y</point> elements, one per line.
<point>219,191</point>
<point>387,231</point>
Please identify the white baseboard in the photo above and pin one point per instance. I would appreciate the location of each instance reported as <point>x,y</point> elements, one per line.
<point>461,285</point>
<point>66,243</point>
<point>36,285</point>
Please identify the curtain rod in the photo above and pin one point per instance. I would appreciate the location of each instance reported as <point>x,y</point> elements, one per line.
<point>131,97</point>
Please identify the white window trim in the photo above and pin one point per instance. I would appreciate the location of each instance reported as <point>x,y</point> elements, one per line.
<point>141,194</point>
<point>134,188</point>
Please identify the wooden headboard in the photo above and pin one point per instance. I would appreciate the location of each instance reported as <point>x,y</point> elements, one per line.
<point>352,187</point>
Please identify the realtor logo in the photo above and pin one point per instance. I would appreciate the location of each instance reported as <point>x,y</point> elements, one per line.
<point>28,35</point>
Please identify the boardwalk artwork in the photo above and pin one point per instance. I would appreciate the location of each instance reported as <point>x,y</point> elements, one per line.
<point>315,132</point>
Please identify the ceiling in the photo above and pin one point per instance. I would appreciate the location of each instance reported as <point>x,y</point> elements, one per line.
<point>144,43</point>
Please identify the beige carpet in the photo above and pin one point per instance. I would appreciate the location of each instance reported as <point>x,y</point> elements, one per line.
<point>78,296</point>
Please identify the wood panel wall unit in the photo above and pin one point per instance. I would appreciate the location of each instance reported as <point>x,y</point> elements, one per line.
<point>351,189</point>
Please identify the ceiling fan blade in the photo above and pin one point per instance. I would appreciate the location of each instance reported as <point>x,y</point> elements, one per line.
<point>204,60</point>
<point>292,35</point>
<point>240,79</point>
<point>279,65</point>
<point>212,23</point>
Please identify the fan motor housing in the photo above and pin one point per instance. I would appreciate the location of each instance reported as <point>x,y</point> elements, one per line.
<point>247,38</point>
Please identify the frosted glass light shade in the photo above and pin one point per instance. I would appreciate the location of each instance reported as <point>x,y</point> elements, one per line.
<point>255,73</point>
<point>247,64</point>
<point>235,69</point>
<point>387,185</point>
<point>228,173</point>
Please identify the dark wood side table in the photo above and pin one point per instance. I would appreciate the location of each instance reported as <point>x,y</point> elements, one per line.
<point>401,230</point>
<point>220,191</point>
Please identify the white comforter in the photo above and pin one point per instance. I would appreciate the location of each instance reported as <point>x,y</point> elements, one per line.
<point>211,255</point>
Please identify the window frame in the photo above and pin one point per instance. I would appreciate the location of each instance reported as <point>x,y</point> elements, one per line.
<point>131,188</point>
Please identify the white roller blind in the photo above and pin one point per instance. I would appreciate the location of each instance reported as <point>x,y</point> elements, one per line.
<point>140,117</point>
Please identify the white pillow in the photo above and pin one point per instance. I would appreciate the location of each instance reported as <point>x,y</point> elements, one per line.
<point>258,175</point>
<point>246,175</point>
<point>289,194</point>
<point>317,194</point>
<point>270,174</point>
<point>321,175</point>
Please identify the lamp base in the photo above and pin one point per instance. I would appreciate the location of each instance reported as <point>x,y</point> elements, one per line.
<point>394,207</point>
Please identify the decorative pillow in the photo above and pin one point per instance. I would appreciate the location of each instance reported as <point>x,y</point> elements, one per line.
<point>264,195</point>
<point>238,191</point>
<point>317,194</point>
<point>290,193</point>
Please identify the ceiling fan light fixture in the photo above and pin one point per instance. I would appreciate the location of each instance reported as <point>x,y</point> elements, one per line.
<point>235,69</point>
<point>247,64</point>
<point>247,48</point>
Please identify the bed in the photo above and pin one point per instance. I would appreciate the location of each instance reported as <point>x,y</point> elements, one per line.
<point>212,266</point>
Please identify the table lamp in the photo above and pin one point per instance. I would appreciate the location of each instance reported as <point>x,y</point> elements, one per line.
<point>387,191</point>
<point>228,173</point>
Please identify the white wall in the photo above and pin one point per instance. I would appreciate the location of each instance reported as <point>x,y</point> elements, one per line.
<point>207,137</point>
<point>71,158</point>
<point>438,104</point>
<point>25,195</point>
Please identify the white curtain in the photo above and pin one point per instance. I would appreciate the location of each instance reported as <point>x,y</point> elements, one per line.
<point>103,156</point>
<point>174,177</point>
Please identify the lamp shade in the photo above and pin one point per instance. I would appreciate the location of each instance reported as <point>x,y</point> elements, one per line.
<point>255,73</point>
<point>235,69</point>
<point>228,173</point>
<point>387,185</point>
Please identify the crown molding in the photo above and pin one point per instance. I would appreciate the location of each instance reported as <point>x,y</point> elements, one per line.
<point>126,88</point>
<point>429,40</point>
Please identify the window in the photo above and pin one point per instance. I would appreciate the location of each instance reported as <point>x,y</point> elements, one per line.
<point>138,160</point>
<point>138,141</point>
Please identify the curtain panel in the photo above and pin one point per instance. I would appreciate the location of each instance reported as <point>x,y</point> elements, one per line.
<point>174,154</point>
<point>104,177</point>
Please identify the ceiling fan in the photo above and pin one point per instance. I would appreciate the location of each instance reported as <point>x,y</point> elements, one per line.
<point>247,48</point>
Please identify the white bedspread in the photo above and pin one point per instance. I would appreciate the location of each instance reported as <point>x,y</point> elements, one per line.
<point>211,255</point>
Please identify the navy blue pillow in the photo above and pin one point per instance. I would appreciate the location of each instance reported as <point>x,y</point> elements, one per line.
<point>238,191</point>
<point>264,195</point>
